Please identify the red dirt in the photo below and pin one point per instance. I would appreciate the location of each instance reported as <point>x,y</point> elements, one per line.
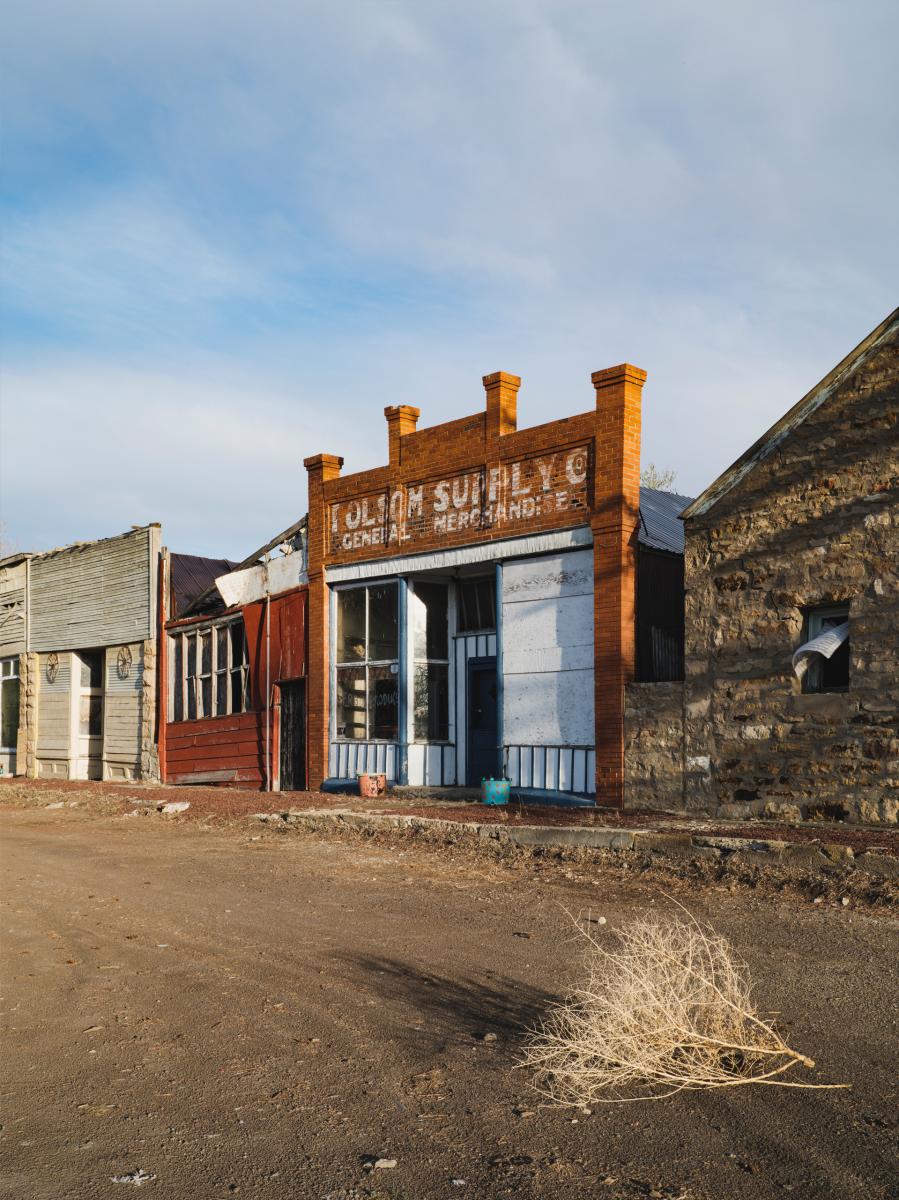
<point>224,803</point>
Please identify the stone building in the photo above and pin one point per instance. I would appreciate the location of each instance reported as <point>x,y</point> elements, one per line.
<point>473,603</point>
<point>799,536</point>
<point>87,662</point>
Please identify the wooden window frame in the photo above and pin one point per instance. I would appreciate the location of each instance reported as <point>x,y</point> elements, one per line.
<point>366,664</point>
<point>192,683</point>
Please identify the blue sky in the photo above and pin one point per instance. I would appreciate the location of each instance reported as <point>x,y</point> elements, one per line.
<point>232,233</point>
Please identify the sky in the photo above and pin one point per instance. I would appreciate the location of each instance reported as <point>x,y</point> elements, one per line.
<point>232,233</point>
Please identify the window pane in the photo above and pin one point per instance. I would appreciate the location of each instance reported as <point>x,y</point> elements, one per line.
<point>351,703</point>
<point>427,611</point>
<point>383,634</point>
<point>177,684</point>
<point>431,702</point>
<point>91,669</point>
<point>221,648</point>
<point>351,625</point>
<point>477,604</point>
<point>90,722</point>
<point>192,654</point>
<point>205,652</point>
<point>238,644</point>
<point>191,687</point>
<point>835,670</point>
<point>383,702</point>
<point>221,693</point>
<point>9,713</point>
<point>238,703</point>
<point>207,696</point>
<point>827,674</point>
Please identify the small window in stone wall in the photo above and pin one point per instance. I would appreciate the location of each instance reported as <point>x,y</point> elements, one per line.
<point>822,661</point>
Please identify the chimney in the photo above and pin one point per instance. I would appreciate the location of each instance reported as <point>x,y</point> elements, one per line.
<point>502,405</point>
<point>401,419</point>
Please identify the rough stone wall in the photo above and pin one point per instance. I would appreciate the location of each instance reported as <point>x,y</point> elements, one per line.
<point>654,745</point>
<point>149,750</point>
<point>815,522</point>
<point>26,748</point>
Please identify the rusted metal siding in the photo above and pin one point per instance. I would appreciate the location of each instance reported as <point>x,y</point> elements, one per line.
<point>95,595</point>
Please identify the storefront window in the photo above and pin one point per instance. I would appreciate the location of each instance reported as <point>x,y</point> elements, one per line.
<point>9,703</point>
<point>430,647</point>
<point>367,669</point>
<point>477,605</point>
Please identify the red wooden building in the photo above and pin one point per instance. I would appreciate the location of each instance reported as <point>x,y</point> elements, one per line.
<point>233,653</point>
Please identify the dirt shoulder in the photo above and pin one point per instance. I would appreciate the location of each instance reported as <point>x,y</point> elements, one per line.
<point>233,1011</point>
<point>225,804</point>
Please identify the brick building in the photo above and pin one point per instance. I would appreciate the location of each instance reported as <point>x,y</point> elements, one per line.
<point>798,537</point>
<point>472,603</point>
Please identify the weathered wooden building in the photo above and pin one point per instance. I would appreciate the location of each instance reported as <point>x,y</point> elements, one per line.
<point>799,536</point>
<point>13,631</point>
<point>234,660</point>
<point>473,603</point>
<point>87,659</point>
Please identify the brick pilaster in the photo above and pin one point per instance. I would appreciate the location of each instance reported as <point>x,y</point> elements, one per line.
<point>502,408</point>
<point>321,469</point>
<point>402,419</point>
<point>614,520</point>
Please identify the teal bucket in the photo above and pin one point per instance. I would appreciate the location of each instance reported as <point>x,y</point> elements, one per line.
<point>495,791</point>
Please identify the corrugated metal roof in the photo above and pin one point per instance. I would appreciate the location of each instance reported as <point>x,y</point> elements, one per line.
<point>192,576</point>
<point>660,525</point>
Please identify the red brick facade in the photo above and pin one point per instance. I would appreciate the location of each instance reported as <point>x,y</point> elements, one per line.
<point>480,479</point>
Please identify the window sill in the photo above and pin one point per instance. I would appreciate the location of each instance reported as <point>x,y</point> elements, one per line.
<point>338,741</point>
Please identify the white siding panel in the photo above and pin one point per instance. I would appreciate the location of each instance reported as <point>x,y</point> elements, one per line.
<point>547,614</point>
<point>346,760</point>
<point>548,578</point>
<point>553,709</point>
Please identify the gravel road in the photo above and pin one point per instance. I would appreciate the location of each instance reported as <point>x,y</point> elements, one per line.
<point>258,1015</point>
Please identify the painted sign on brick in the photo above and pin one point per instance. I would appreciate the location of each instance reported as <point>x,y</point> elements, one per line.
<point>530,491</point>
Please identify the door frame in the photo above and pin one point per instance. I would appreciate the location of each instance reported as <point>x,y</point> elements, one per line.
<point>482,663</point>
<point>80,764</point>
<point>278,734</point>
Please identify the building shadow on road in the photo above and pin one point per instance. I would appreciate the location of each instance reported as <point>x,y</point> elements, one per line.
<point>427,1005</point>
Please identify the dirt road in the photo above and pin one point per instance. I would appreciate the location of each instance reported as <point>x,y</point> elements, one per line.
<point>253,1016</point>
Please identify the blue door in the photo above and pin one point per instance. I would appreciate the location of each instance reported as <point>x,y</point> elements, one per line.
<point>483,751</point>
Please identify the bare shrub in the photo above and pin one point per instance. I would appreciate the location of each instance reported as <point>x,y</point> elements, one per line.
<point>665,1010</point>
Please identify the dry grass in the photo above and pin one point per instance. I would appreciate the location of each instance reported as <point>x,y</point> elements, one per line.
<point>664,1010</point>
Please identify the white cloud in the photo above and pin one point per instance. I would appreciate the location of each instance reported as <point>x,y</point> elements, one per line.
<point>253,226</point>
